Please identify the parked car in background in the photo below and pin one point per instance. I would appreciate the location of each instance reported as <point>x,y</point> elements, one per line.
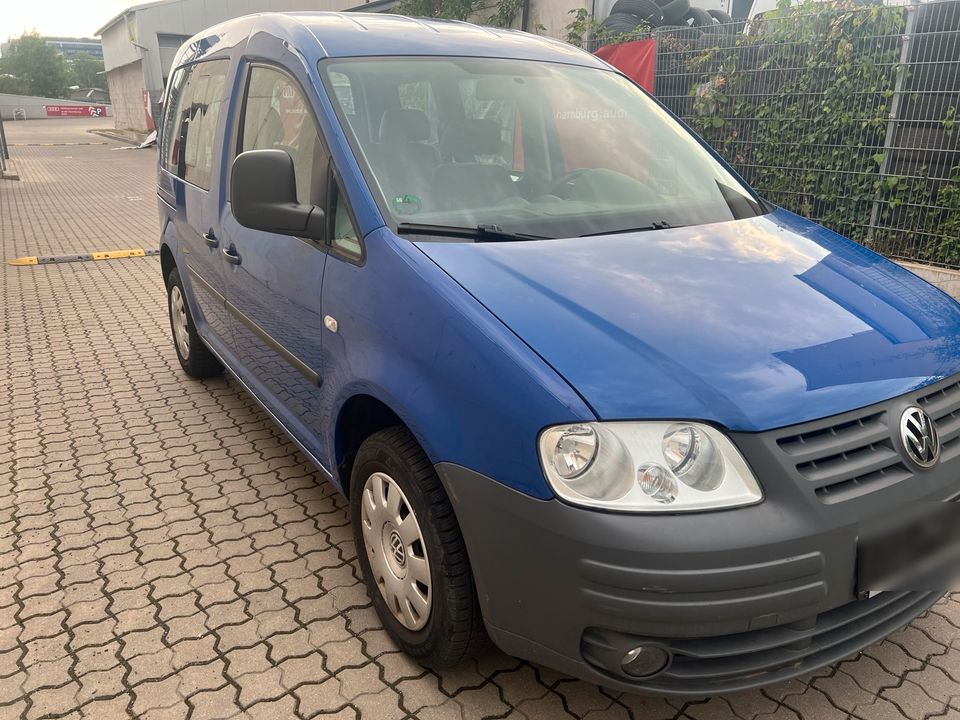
<point>585,392</point>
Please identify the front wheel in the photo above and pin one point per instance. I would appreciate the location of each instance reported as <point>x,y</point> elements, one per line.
<point>195,359</point>
<point>411,552</point>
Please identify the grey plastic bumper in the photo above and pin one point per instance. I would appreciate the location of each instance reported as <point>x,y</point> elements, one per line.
<point>741,598</point>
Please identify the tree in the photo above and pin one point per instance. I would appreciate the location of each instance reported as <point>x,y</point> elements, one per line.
<point>450,9</point>
<point>13,85</point>
<point>40,68</point>
<point>504,11</point>
<point>85,69</point>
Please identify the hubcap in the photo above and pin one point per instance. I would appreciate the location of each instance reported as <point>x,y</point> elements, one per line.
<point>397,551</point>
<point>178,317</point>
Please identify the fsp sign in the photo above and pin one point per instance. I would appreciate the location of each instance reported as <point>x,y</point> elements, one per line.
<point>76,110</point>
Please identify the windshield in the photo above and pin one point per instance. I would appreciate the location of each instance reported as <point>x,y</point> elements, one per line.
<point>525,147</point>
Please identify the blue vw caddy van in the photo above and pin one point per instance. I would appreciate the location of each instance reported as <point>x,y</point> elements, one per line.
<point>586,393</point>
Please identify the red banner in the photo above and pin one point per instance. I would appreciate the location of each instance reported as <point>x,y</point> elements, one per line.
<point>636,60</point>
<point>76,110</point>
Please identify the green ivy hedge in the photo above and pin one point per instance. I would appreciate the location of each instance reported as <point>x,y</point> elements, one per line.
<point>800,106</point>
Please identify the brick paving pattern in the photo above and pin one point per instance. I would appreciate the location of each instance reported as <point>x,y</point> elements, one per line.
<point>166,552</point>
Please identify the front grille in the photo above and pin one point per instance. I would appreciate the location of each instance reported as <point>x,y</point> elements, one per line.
<point>944,407</point>
<point>759,657</point>
<point>856,456</point>
<point>848,459</point>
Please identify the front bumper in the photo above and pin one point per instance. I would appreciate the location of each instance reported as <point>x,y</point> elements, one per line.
<point>740,598</point>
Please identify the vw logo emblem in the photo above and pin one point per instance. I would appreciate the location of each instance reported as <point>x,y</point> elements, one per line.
<point>396,544</point>
<point>919,436</point>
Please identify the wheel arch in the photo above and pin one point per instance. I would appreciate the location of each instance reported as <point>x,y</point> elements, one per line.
<point>362,414</point>
<point>168,248</point>
<point>167,261</point>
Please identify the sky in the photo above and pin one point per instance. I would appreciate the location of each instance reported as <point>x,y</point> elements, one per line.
<point>72,18</point>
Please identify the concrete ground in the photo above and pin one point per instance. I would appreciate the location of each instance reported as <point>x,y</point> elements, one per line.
<point>166,552</point>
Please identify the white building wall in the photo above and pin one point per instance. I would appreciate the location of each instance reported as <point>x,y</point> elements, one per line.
<point>126,92</point>
<point>551,17</point>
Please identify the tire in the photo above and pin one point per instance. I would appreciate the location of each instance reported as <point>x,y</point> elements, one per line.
<point>451,629</point>
<point>195,358</point>
<point>928,107</point>
<point>646,10</point>
<point>937,17</point>
<point>721,17</point>
<point>679,35</point>
<point>935,47</point>
<point>725,25</point>
<point>936,77</point>
<point>700,18</point>
<point>924,150</point>
<point>709,41</point>
<point>675,11</point>
<point>619,24</point>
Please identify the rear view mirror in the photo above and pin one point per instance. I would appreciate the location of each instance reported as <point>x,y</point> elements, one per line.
<point>263,196</point>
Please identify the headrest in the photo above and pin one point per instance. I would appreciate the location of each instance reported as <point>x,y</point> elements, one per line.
<point>465,141</point>
<point>404,125</point>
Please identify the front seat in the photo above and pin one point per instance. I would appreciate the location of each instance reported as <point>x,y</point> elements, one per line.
<point>465,182</point>
<point>405,160</point>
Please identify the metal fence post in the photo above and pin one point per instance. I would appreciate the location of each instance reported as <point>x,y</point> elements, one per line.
<point>4,152</point>
<point>893,121</point>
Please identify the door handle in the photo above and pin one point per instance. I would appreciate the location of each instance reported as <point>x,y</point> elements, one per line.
<point>231,256</point>
<point>210,239</point>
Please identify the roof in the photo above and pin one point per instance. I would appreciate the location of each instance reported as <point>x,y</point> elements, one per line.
<point>133,8</point>
<point>354,34</point>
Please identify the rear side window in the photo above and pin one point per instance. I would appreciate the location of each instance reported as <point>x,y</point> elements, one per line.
<point>169,140</point>
<point>190,124</point>
<point>276,117</point>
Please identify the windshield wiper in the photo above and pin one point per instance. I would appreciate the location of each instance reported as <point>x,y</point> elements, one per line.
<point>656,225</point>
<point>477,233</point>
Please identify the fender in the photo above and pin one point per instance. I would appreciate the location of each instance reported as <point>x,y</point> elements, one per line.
<point>462,381</point>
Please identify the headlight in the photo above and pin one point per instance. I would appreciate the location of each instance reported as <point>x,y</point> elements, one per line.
<point>590,460</point>
<point>646,467</point>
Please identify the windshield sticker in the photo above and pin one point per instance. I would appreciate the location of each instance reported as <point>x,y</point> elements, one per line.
<point>407,204</point>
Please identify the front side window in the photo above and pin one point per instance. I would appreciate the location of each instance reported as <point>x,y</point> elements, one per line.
<point>531,147</point>
<point>345,236</point>
<point>276,116</point>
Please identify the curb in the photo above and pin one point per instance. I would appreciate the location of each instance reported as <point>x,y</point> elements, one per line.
<point>115,136</point>
<point>82,257</point>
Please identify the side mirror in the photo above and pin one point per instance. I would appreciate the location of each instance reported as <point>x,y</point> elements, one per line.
<point>263,196</point>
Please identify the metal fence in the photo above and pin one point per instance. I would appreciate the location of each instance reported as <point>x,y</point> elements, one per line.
<point>847,114</point>
<point>4,150</point>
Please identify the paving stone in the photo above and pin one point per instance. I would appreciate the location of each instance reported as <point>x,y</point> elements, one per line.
<point>548,707</point>
<point>320,697</point>
<point>215,704</point>
<point>913,701</point>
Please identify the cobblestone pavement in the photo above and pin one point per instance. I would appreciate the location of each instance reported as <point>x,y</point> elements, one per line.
<point>165,552</point>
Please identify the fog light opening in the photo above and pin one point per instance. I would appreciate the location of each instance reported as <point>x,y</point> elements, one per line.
<point>645,661</point>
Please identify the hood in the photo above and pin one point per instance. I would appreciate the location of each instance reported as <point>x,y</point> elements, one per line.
<point>751,324</point>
